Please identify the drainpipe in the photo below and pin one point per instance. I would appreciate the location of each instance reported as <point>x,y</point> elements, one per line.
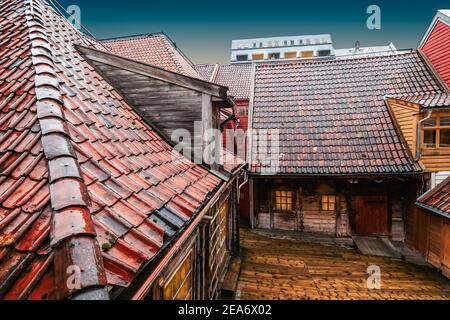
<point>419,134</point>
<point>233,115</point>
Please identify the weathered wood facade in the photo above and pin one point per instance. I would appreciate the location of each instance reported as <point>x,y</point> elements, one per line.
<point>170,102</point>
<point>429,234</point>
<point>198,270</point>
<point>336,207</point>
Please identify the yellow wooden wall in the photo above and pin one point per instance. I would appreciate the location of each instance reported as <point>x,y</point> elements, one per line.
<point>407,115</point>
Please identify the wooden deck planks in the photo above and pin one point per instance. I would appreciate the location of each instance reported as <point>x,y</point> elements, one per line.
<point>279,269</point>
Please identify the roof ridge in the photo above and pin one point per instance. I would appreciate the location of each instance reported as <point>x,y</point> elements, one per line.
<point>173,51</point>
<point>72,226</point>
<point>133,37</point>
<point>329,61</point>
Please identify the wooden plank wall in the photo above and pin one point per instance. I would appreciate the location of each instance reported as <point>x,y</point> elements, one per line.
<point>316,220</point>
<point>167,106</point>
<point>310,217</point>
<point>430,235</point>
<point>406,116</point>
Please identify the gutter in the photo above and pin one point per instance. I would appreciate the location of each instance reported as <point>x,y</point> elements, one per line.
<point>419,134</point>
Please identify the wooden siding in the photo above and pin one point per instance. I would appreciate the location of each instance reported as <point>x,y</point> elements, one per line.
<point>437,50</point>
<point>212,243</point>
<point>406,116</point>
<point>429,234</point>
<point>440,177</point>
<point>167,106</point>
<point>218,245</point>
<point>436,162</point>
<point>393,197</point>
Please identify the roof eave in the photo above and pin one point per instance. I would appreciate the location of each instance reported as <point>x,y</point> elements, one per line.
<point>109,59</point>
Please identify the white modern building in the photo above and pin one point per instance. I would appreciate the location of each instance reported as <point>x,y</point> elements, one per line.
<point>281,48</point>
<point>361,52</point>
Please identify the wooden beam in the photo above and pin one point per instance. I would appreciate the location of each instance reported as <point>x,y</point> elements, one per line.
<point>101,59</point>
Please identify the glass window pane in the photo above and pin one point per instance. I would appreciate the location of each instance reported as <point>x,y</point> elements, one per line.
<point>429,138</point>
<point>430,123</point>
<point>445,138</point>
<point>445,121</point>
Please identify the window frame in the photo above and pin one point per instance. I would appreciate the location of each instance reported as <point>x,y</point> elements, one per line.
<point>274,203</point>
<point>172,276</point>
<point>328,202</point>
<point>437,128</point>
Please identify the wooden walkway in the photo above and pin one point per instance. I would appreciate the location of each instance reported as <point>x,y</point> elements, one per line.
<point>291,270</point>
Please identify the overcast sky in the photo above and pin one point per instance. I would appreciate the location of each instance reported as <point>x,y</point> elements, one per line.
<point>204,29</point>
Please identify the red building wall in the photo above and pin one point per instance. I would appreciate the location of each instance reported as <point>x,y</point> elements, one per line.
<point>437,50</point>
<point>241,124</point>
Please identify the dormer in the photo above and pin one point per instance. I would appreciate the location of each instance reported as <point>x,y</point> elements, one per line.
<point>185,110</point>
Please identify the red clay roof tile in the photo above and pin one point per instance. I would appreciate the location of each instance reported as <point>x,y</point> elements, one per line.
<point>116,151</point>
<point>437,199</point>
<point>154,49</point>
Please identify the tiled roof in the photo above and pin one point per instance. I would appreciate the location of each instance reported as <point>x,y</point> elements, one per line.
<point>77,164</point>
<point>438,199</point>
<point>427,100</point>
<point>205,70</point>
<point>237,77</point>
<point>331,115</point>
<point>153,49</point>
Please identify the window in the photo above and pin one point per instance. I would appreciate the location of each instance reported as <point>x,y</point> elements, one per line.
<point>307,54</point>
<point>301,42</point>
<point>254,44</point>
<point>180,285</point>
<point>437,132</point>
<point>242,57</point>
<point>285,42</point>
<point>258,56</point>
<point>261,45</point>
<point>242,111</point>
<point>328,203</point>
<point>290,55</point>
<point>292,42</point>
<point>324,53</point>
<point>284,201</point>
<point>275,55</point>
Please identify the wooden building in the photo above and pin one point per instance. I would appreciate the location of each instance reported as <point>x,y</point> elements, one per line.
<point>430,234</point>
<point>325,156</point>
<point>423,121</point>
<point>239,79</point>
<point>95,202</point>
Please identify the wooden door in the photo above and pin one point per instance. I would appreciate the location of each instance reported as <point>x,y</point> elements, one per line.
<point>371,216</point>
<point>421,232</point>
